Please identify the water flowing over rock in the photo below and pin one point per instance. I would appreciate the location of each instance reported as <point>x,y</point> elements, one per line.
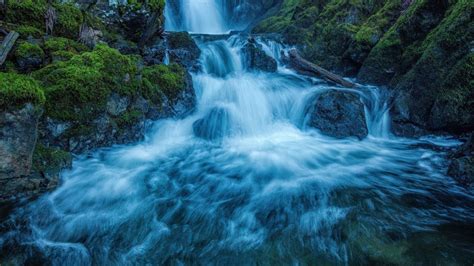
<point>244,167</point>
<point>257,59</point>
<point>339,114</point>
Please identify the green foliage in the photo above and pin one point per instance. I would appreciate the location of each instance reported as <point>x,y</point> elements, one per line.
<point>16,90</point>
<point>26,49</point>
<point>166,79</point>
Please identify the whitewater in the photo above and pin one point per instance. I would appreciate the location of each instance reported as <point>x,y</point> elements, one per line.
<point>263,188</point>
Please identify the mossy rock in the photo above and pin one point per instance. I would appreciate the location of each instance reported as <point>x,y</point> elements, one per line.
<point>16,90</point>
<point>26,49</point>
<point>26,31</point>
<point>69,20</point>
<point>28,12</point>
<point>31,13</point>
<point>78,89</point>
<point>169,80</point>
<point>55,44</point>
<point>29,57</point>
<point>50,161</point>
<point>181,40</point>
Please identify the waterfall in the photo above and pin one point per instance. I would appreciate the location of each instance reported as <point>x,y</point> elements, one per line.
<point>243,181</point>
<point>195,16</point>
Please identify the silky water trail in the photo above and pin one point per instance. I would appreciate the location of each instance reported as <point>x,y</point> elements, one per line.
<point>261,188</point>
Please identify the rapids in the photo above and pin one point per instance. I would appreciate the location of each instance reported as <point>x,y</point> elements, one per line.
<point>268,190</point>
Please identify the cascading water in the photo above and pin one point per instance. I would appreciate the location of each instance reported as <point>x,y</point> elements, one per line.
<point>259,187</point>
<point>202,16</point>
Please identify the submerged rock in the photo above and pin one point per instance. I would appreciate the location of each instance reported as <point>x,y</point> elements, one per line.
<point>338,114</point>
<point>215,125</point>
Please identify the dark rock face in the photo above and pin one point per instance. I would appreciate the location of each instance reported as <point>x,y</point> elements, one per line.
<point>214,125</point>
<point>18,133</point>
<point>257,59</point>
<point>338,114</point>
<point>181,49</point>
<point>462,170</point>
<point>27,64</point>
<point>461,167</point>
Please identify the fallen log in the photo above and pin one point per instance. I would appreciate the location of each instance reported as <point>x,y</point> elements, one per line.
<point>7,45</point>
<point>304,67</point>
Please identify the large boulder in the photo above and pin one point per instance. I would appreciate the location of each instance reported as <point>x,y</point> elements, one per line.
<point>338,114</point>
<point>18,134</point>
<point>257,59</point>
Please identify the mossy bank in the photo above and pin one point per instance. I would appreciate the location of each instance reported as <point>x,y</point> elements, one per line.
<point>61,94</point>
<point>421,49</point>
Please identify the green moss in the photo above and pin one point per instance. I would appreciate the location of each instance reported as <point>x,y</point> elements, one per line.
<point>28,12</point>
<point>16,90</point>
<point>55,44</point>
<point>156,5</point>
<point>26,49</point>
<point>69,20</point>
<point>50,159</point>
<point>78,89</point>
<point>27,31</point>
<point>151,5</point>
<point>163,79</point>
<point>129,118</point>
<point>281,21</point>
<point>62,56</point>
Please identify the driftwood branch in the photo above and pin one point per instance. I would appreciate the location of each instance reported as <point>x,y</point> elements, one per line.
<point>7,45</point>
<point>304,67</point>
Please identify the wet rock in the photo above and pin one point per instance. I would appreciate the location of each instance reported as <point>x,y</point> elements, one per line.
<point>257,59</point>
<point>215,125</point>
<point>462,170</point>
<point>180,48</point>
<point>461,167</point>
<point>18,134</point>
<point>116,104</point>
<point>183,50</point>
<point>338,114</point>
